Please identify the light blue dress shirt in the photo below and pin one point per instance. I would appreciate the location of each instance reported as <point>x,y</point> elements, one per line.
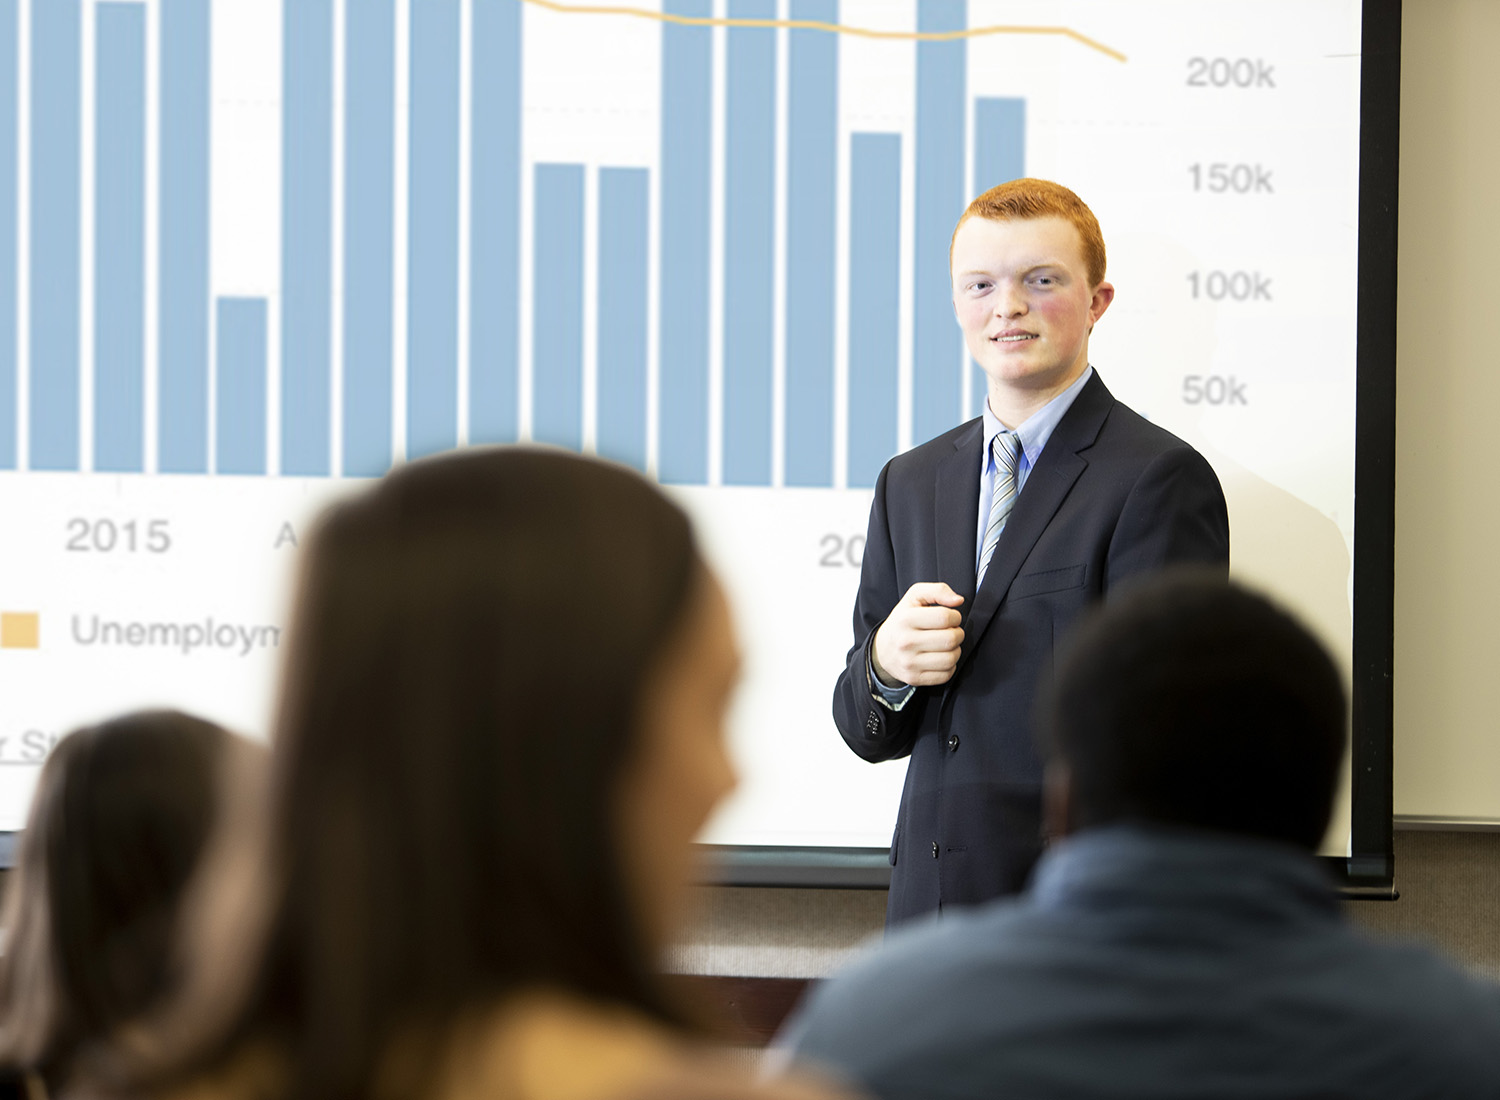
<point>1034,433</point>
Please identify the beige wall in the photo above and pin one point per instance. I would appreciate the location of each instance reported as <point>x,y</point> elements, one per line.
<point>1447,543</point>
<point>1447,667</point>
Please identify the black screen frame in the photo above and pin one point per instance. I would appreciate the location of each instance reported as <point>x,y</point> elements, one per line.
<point>1369,869</point>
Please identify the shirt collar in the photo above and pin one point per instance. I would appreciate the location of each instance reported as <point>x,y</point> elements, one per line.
<point>1038,427</point>
<point>1126,866</point>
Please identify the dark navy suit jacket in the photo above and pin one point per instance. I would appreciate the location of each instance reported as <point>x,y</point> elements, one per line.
<point>1112,496</point>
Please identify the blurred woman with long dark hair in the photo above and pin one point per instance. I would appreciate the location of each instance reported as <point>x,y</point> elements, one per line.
<point>501,726</point>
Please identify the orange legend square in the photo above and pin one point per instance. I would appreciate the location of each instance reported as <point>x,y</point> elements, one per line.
<point>20,630</point>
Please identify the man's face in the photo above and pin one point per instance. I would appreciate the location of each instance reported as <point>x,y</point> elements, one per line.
<point>1022,296</point>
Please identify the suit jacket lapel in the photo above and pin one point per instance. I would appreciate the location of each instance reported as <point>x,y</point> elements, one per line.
<point>956,512</point>
<point>1046,487</point>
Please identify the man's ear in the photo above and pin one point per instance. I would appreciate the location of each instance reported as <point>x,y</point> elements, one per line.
<point>1057,800</point>
<point>1104,294</point>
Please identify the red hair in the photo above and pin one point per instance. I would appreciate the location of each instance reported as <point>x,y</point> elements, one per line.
<point>1031,198</point>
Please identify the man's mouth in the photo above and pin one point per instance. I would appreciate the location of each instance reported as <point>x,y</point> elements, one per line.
<point>1013,338</point>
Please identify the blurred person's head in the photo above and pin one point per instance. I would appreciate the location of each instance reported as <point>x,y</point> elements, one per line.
<point>1190,701</point>
<point>120,816</point>
<point>501,726</point>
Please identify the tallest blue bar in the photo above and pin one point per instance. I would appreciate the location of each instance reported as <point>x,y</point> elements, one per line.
<point>811,222</point>
<point>9,126</point>
<point>369,233</point>
<point>432,229</point>
<point>182,381</point>
<point>55,108</point>
<point>119,236</point>
<point>749,244</point>
<point>937,352</point>
<point>495,221</point>
<point>686,151</point>
<point>306,235</point>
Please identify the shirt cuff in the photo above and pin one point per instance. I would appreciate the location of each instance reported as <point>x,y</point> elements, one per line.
<point>891,698</point>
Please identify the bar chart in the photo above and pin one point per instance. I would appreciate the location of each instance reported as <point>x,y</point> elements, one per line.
<point>775,172</point>
<point>254,253</point>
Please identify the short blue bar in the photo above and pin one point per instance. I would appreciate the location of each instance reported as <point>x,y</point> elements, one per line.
<point>999,157</point>
<point>119,237</point>
<point>938,359</point>
<point>624,275</point>
<point>874,283</point>
<point>432,220</point>
<point>999,142</point>
<point>241,386</point>
<point>682,327</point>
<point>182,371</point>
<point>811,220</point>
<point>557,325</point>
<point>306,237</point>
<point>369,234</point>
<point>749,244</point>
<point>9,127</point>
<point>495,221</point>
<point>56,105</point>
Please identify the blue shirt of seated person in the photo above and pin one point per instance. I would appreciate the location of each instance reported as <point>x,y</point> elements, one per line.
<point>1180,939</point>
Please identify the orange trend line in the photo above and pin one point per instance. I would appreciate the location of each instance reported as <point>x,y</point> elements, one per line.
<point>835,28</point>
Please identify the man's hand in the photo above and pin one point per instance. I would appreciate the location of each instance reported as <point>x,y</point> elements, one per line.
<point>919,641</point>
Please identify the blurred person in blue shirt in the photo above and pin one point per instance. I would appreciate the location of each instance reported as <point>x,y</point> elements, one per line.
<point>1179,938</point>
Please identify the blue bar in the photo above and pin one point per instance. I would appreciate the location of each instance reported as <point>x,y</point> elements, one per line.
<point>182,386</point>
<point>999,142</point>
<point>369,228</point>
<point>241,382</point>
<point>875,284</point>
<point>686,133</point>
<point>120,238</point>
<point>495,221</point>
<point>811,218</point>
<point>9,110</point>
<point>55,108</point>
<point>306,236</point>
<point>999,157</point>
<point>749,244</point>
<point>432,248</point>
<point>938,359</point>
<point>624,274</point>
<point>557,325</point>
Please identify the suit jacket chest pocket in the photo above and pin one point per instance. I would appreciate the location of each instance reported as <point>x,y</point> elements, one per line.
<point>1047,581</point>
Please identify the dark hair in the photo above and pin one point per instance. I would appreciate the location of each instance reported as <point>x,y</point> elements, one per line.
<point>1192,701</point>
<point>466,657</point>
<point>121,813</point>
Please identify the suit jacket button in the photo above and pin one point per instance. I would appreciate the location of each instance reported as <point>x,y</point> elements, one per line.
<point>953,742</point>
<point>934,849</point>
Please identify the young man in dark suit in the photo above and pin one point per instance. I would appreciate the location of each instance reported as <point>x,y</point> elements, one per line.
<point>986,543</point>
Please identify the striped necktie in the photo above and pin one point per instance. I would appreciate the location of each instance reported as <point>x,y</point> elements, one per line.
<point>1007,450</point>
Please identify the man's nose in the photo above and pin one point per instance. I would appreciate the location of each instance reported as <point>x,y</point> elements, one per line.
<point>1009,302</point>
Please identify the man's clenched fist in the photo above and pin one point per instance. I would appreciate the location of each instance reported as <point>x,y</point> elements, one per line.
<point>919,641</point>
